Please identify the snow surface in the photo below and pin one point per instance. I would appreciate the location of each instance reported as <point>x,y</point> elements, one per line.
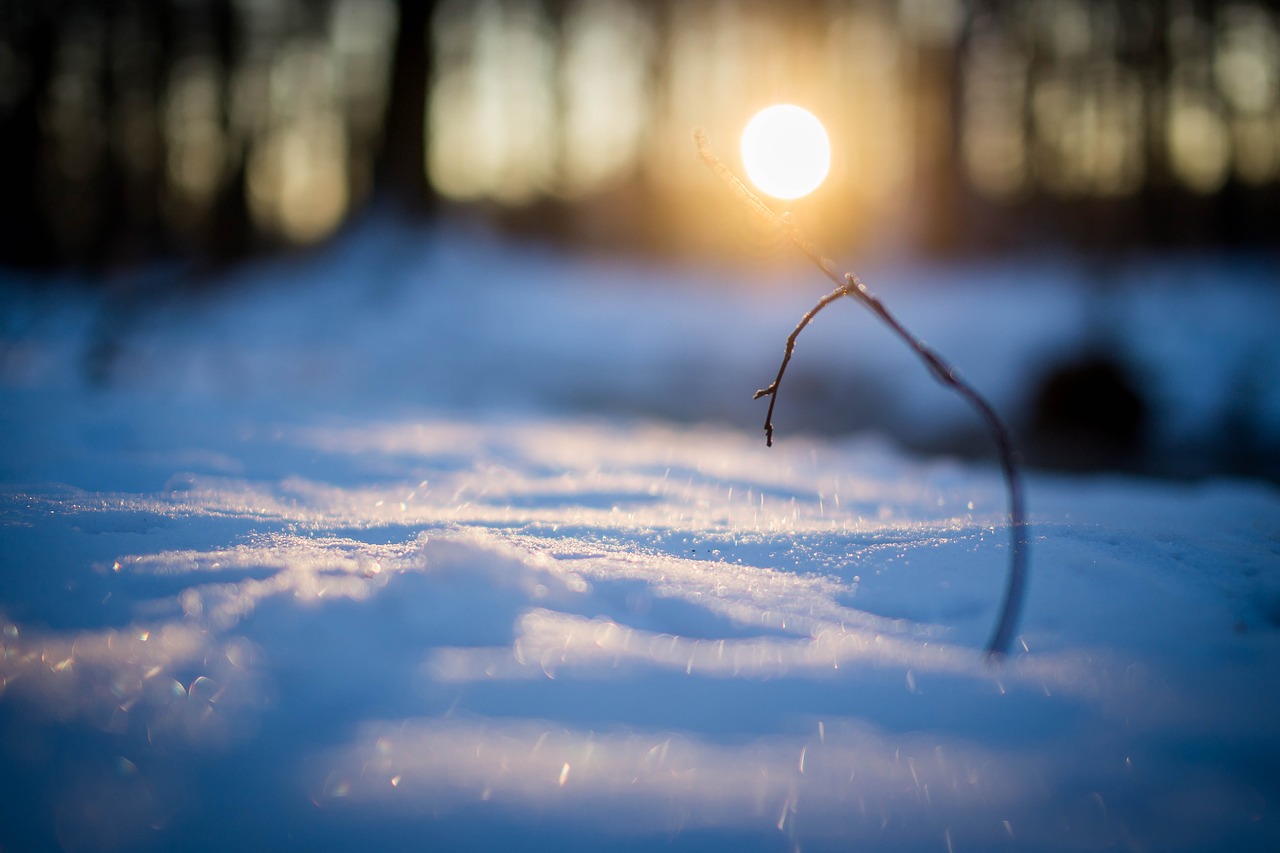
<point>441,542</point>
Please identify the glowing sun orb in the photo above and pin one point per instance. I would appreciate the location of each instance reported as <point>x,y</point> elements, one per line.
<point>785,151</point>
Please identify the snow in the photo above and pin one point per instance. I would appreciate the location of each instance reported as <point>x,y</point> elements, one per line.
<point>449,542</point>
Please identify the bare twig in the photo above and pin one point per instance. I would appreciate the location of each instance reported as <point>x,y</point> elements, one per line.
<point>772,391</point>
<point>849,285</point>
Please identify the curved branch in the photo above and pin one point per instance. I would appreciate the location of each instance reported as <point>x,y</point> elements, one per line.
<point>849,285</point>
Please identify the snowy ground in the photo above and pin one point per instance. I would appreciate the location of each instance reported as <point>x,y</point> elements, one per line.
<point>405,551</point>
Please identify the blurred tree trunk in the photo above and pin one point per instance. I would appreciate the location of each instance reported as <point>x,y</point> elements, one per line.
<point>400,173</point>
<point>936,72</point>
<point>232,234</point>
<point>26,236</point>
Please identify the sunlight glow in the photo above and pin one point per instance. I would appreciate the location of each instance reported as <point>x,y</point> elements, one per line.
<point>785,151</point>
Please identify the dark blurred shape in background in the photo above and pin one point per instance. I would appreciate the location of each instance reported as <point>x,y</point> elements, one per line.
<point>218,128</point>
<point>1088,413</point>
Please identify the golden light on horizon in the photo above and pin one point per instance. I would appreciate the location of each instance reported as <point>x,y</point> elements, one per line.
<point>785,151</point>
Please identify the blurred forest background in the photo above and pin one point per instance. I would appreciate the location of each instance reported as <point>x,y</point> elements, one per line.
<point>216,129</point>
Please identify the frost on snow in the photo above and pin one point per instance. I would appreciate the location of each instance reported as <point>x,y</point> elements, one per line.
<point>232,621</point>
<point>634,633</point>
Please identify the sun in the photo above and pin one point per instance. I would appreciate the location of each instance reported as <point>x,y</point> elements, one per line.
<point>785,151</point>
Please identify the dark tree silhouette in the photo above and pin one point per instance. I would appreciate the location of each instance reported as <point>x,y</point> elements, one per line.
<point>26,238</point>
<point>400,170</point>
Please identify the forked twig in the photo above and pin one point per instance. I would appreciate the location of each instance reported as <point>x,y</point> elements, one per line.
<point>849,285</point>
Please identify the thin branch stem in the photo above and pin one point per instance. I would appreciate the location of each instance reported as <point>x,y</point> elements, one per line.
<point>772,391</point>
<point>849,285</point>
